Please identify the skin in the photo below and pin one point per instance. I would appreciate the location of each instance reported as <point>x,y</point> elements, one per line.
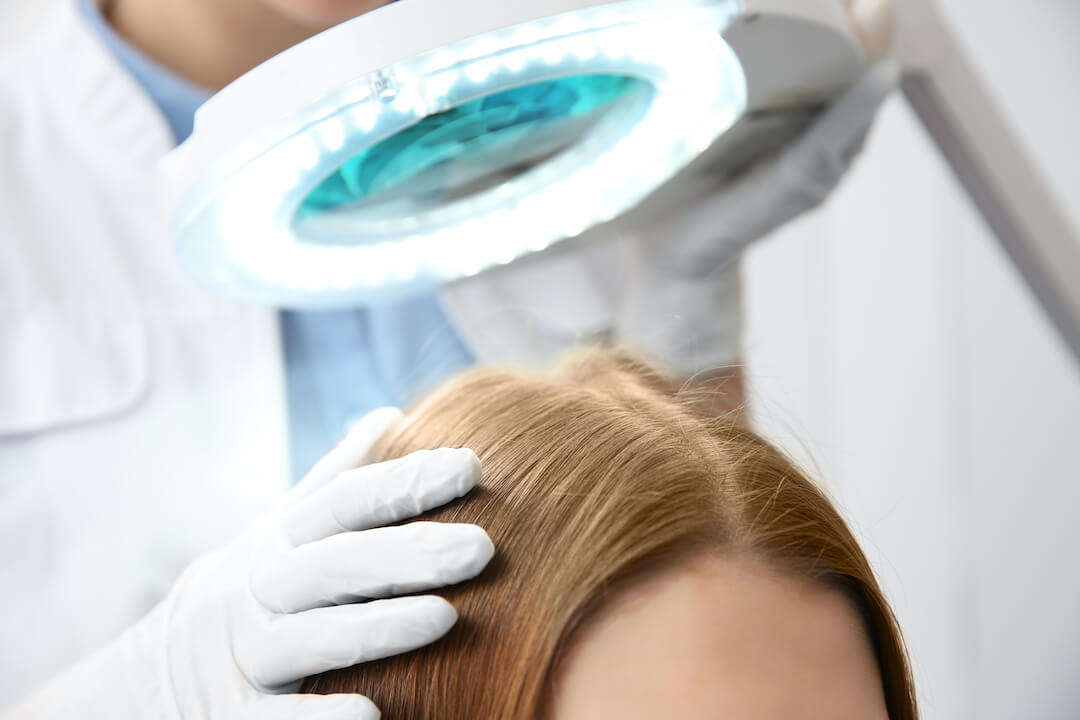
<point>212,42</point>
<point>722,638</point>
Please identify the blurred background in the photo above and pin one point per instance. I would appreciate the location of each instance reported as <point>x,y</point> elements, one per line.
<point>892,348</point>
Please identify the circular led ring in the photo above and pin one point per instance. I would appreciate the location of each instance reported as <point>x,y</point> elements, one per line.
<point>239,229</point>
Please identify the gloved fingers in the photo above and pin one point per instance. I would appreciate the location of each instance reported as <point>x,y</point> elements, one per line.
<point>350,452</point>
<point>294,647</point>
<point>799,176</point>
<point>841,129</point>
<point>378,563</point>
<point>802,174</point>
<point>314,707</point>
<point>383,493</point>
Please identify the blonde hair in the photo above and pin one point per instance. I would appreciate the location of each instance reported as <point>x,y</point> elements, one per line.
<point>593,477</point>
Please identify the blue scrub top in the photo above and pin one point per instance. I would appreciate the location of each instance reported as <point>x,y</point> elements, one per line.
<point>338,364</point>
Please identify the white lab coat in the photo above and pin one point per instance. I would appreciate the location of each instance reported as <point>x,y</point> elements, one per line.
<point>143,420</point>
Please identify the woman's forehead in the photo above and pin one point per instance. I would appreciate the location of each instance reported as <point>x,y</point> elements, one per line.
<point>722,636</point>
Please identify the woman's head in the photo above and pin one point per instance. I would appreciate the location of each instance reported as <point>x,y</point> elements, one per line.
<point>645,553</point>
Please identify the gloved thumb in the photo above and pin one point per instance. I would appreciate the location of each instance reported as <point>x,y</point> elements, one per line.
<point>351,452</point>
<point>315,707</point>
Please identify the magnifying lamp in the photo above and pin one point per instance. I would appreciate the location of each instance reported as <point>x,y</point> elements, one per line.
<point>428,141</point>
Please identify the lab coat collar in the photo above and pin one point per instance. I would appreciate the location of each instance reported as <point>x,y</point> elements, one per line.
<point>174,95</point>
<point>95,90</point>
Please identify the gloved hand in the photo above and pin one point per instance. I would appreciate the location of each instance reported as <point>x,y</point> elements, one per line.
<point>244,625</point>
<point>681,301</point>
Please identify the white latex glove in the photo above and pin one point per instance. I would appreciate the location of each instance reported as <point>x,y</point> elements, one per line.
<point>680,306</point>
<point>244,625</point>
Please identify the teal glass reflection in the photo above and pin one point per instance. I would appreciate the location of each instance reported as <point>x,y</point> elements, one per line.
<point>492,133</point>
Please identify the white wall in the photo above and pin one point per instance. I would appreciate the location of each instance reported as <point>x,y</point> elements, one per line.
<point>893,347</point>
